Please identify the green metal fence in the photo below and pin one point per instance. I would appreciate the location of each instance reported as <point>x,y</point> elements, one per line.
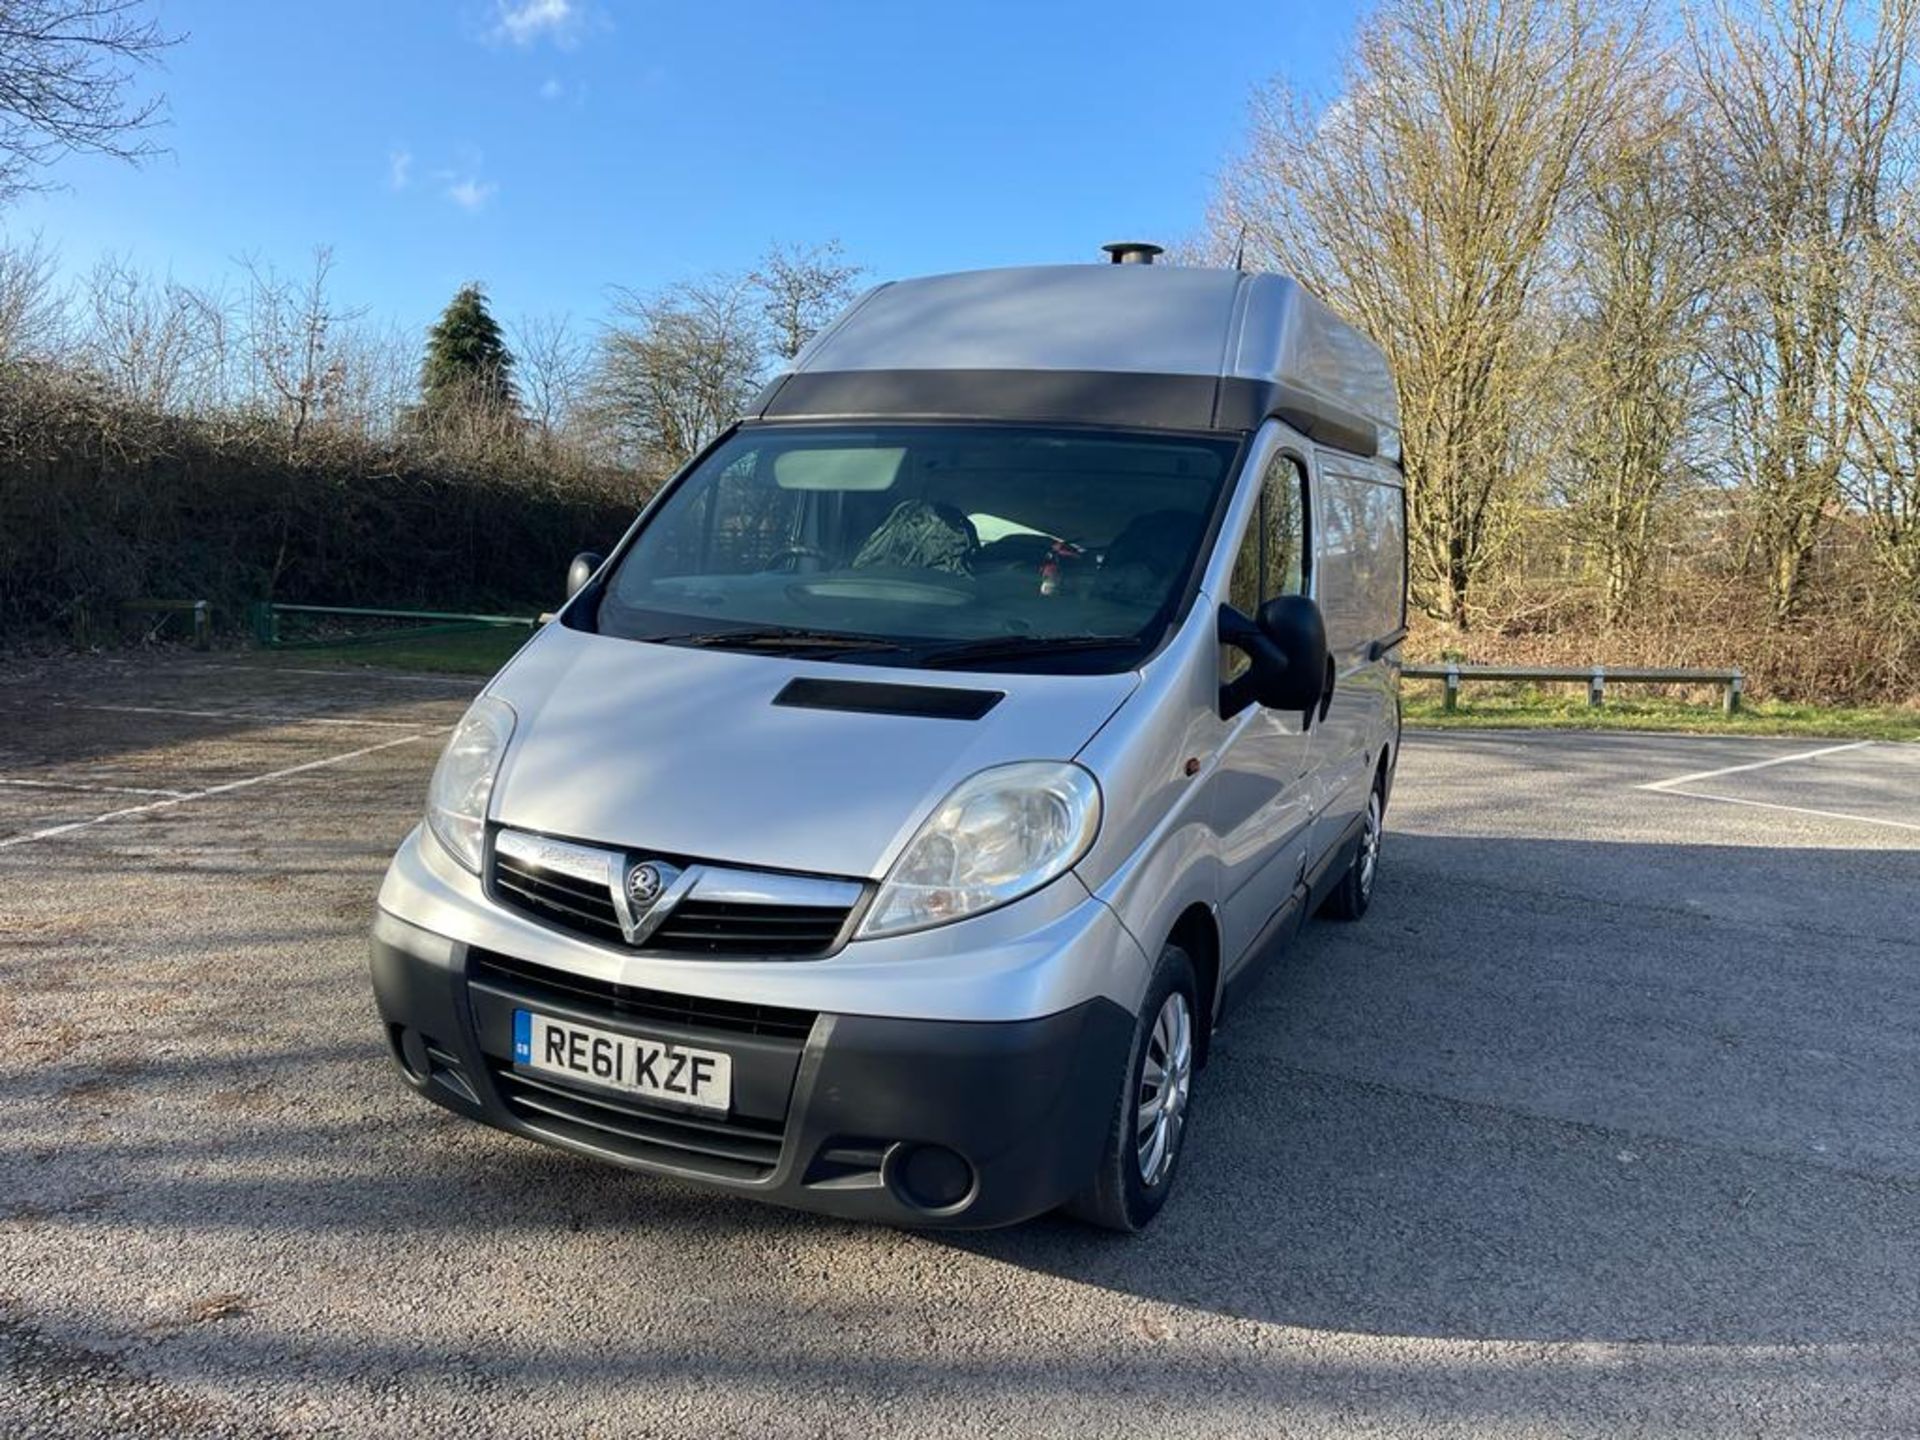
<point>292,627</point>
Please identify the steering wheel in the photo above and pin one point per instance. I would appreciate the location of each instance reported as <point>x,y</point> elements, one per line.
<point>788,554</point>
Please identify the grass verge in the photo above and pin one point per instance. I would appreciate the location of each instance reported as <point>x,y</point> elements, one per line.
<point>1491,705</point>
<point>473,652</point>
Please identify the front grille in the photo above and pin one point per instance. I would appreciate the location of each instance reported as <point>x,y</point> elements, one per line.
<point>725,912</point>
<point>738,1148</point>
<point>563,900</point>
<point>720,927</point>
<point>630,1002</point>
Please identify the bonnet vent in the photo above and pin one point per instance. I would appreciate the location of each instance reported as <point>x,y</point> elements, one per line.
<point>862,697</point>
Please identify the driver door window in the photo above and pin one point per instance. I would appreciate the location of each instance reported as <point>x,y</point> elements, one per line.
<point>1272,559</point>
<point>1283,529</point>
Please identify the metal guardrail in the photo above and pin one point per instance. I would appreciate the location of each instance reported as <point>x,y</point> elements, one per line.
<point>1731,682</point>
<point>201,612</point>
<point>266,617</point>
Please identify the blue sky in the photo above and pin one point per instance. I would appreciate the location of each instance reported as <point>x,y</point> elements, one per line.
<point>552,148</point>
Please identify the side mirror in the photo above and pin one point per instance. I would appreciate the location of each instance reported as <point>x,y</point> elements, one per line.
<point>1293,624</point>
<point>581,571</point>
<point>1287,646</point>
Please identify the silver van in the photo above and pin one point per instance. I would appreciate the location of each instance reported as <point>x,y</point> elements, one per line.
<point>888,823</point>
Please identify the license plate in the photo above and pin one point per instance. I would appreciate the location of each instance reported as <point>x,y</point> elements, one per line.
<point>657,1069</point>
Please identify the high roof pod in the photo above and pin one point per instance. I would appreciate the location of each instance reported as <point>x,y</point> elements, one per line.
<point>1130,344</point>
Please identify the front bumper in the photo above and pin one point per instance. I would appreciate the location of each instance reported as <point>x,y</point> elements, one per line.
<point>851,1115</point>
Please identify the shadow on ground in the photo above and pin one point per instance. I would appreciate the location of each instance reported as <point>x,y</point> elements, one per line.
<point>1550,1091</point>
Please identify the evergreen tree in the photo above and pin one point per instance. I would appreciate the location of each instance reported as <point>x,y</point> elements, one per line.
<point>468,368</point>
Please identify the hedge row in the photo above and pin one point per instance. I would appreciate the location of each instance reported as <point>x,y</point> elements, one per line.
<point>100,505</point>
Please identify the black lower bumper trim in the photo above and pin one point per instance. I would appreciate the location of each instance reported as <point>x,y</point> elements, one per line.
<point>739,1151</point>
<point>1025,1104</point>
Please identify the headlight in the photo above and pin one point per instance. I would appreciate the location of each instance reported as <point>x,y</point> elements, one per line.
<point>1000,835</point>
<point>463,780</point>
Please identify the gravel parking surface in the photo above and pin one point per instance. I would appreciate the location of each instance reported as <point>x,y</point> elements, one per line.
<point>1605,1121</point>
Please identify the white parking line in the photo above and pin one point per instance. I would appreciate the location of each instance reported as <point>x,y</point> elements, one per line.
<point>1752,765</point>
<point>251,716</point>
<point>92,789</point>
<point>469,682</point>
<point>1790,809</point>
<point>211,790</point>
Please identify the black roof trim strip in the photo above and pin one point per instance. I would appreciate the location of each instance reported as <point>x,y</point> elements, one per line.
<point>1170,402</point>
<point>1084,397</point>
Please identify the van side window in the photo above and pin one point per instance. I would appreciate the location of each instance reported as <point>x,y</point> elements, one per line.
<point>1363,519</point>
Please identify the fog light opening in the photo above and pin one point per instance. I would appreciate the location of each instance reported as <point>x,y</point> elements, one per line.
<point>410,1049</point>
<point>929,1178</point>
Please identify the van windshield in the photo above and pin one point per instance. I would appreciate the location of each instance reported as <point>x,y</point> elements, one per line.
<point>961,546</point>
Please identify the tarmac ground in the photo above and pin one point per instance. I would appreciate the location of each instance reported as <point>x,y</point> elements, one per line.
<point>1605,1121</point>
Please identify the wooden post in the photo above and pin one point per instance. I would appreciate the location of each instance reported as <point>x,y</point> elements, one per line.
<point>1453,688</point>
<point>1597,688</point>
<point>1731,702</point>
<point>202,625</point>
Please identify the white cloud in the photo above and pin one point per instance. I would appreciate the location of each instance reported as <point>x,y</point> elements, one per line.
<point>552,89</point>
<point>470,192</point>
<point>399,168</point>
<point>523,22</point>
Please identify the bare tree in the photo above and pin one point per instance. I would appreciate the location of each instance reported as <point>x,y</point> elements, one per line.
<point>1885,483</point>
<point>802,288</point>
<point>32,313</point>
<point>1425,203</point>
<point>676,368</point>
<point>66,71</point>
<point>290,325</point>
<point>1806,143</point>
<point>215,372</point>
<point>377,380</point>
<point>139,335</point>
<point>1640,272</point>
<point>552,364</point>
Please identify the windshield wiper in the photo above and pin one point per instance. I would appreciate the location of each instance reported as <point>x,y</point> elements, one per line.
<point>1008,647</point>
<point>779,637</point>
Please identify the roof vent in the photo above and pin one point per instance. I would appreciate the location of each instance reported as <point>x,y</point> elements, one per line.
<point>1132,252</point>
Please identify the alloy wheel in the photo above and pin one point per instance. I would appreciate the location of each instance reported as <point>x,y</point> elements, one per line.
<point>1370,844</point>
<point>1166,1075</point>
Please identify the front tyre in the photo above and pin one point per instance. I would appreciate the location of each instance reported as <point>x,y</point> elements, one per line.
<point>1350,899</point>
<point>1142,1153</point>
